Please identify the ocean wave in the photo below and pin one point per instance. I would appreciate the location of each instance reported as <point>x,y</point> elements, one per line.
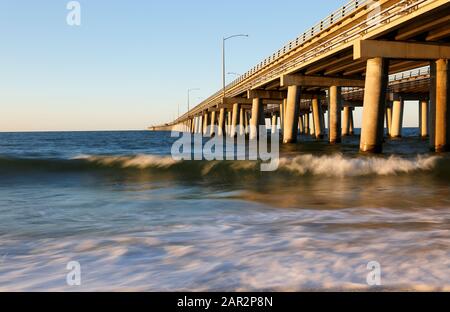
<point>336,165</point>
<point>331,166</point>
<point>340,166</point>
<point>137,161</point>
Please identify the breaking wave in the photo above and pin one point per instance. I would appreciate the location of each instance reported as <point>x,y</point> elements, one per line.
<point>335,165</point>
<point>340,166</point>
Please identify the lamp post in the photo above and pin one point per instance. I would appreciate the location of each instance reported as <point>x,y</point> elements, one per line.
<point>189,96</point>
<point>223,59</point>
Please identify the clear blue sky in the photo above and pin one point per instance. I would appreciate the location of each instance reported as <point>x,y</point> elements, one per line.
<point>130,63</point>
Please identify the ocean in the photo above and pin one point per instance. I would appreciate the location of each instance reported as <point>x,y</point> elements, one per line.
<point>135,219</point>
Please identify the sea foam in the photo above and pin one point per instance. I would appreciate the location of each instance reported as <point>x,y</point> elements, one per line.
<point>336,165</point>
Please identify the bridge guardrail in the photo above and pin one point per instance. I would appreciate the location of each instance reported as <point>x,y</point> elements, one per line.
<point>397,9</point>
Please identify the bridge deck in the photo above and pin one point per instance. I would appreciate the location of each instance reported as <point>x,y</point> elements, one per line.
<point>328,49</point>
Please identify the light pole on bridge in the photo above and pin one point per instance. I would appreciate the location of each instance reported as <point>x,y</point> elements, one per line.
<point>223,59</point>
<point>189,96</point>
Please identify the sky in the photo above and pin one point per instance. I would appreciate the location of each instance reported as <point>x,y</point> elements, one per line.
<point>129,63</point>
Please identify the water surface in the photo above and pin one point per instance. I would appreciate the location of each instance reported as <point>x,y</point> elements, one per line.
<point>135,219</point>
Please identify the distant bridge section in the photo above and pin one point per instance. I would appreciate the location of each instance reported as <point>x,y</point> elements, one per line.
<point>374,54</point>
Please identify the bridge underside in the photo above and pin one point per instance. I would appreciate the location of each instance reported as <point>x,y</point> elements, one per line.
<point>330,73</point>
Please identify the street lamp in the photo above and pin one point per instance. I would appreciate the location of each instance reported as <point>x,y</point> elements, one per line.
<point>223,59</point>
<point>189,96</point>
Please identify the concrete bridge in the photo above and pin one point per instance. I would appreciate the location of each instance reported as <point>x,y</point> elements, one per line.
<point>368,53</point>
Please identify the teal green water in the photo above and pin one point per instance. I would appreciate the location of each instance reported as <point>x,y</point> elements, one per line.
<point>135,219</point>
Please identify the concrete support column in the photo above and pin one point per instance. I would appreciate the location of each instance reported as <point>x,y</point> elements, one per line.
<point>291,115</point>
<point>352,125</point>
<point>312,126</point>
<point>423,122</point>
<point>282,110</point>
<point>213,123</point>
<point>374,103</point>
<point>274,123</point>
<point>200,124</point>
<point>442,119</point>
<point>241,122</point>
<point>228,131</point>
<point>301,124</point>
<point>221,124</point>
<point>247,123</point>
<point>234,120</point>
<point>322,119</point>
<point>432,118</point>
<point>346,121</point>
<point>317,112</point>
<point>257,112</point>
<point>306,124</point>
<point>397,119</point>
<point>205,123</point>
<point>389,118</point>
<point>334,111</point>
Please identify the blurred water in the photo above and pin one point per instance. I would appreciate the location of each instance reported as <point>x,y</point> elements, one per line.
<point>137,220</point>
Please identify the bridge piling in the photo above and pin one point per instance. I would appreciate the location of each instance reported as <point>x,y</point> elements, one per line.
<point>213,123</point>
<point>306,124</point>
<point>389,118</point>
<point>282,109</point>
<point>241,122</point>
<point>397,118</point>
<point>195,124</point>
<point>423,118</point>
<point>374,104</point>
<point>274,123</point>
<point>442,119</point>
<point>300,124</point>
<point>291,115</point>
<point>346,121</point>
<point>246,123</point>
<point>255,121</point>
<point>220,125</point>
<point>234,120</point>
<point>317,112</point>
<point>352,125</point>
<point>334,112</point>
<point>205,123</point>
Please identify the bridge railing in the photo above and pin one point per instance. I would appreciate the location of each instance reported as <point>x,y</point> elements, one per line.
<point>373,21</point>
<point>423,71</point>
<point>397,78</point>
<point>323,25</point>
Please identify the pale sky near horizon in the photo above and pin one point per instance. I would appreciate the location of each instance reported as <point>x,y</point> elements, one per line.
<point>130,63</point>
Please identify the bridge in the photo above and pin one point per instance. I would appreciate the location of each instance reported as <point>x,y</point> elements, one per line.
<point>374,54</point>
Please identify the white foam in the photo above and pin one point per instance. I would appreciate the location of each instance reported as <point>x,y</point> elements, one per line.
<point>137,161</point>
<point>339,166</point>
<point>237,253</point>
